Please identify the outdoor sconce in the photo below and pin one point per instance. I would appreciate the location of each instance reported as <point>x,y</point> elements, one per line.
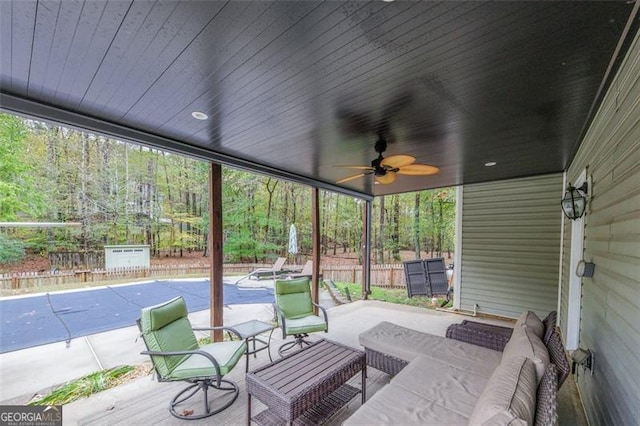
<point>585,269</point>
<point>574,201</point>
<point>583,358</point>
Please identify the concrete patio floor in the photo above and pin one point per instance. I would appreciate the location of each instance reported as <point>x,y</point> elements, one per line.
<point>145,401</point>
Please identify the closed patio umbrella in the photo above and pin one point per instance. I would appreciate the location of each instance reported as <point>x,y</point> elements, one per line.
<point>293,241</point>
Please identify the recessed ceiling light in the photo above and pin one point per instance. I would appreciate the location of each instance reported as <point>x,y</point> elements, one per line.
<point>198,115</point>
<point>490,164</point>
<point>387,1</point>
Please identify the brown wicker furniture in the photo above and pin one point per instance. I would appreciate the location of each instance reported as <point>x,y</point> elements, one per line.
<point>383,362</point>
<point>494,336</point>
<point>485,335</point>
<point>308,386</point>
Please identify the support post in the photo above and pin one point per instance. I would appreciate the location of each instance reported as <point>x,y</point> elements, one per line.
<point>366,249</point>
<point>215,250</point>
<point>315,220</point>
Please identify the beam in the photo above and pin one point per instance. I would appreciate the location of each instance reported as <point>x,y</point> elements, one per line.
<point>36,110</point>
<point>457,255</point>
<point>315,221</point>
<point>215,250</point>
<point>366,249</point>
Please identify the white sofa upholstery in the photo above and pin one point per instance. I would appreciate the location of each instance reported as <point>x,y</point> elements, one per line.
<point>444,379</point>
<point>407,344</point>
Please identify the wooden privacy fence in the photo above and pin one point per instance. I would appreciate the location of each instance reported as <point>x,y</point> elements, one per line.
<point>59,278</point>
<point>70,260</point>
<point>381,275</point>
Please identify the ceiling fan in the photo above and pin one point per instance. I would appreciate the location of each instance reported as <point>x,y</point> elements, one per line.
<point>386,169</point>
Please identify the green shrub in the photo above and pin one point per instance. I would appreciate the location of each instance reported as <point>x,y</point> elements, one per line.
<point>391,295</point>
<point>10,250</point>
<point>84,386</point>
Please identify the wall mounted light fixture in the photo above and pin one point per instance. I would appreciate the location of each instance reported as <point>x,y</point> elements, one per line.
<point>583,358</point>
<point>585,269</point>
<point>574,201</point>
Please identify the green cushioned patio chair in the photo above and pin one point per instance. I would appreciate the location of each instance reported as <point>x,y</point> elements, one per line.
<point>176,356</point>
<point>294,309</point>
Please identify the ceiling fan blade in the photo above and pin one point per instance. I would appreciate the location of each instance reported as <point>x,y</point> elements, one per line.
<point>396,161</point>
<point>348,178</point>
<point>356,167</point>
<point>418,170</point>
<point>386,179</point>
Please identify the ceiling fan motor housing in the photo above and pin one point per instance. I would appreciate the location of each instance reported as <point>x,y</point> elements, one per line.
<point>379,170</point>
<point>381,145</point>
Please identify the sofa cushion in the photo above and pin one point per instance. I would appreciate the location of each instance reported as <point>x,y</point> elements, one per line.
<point>407,344</point>
<point>510,395</point>
<point>530,320</point>
<point>454,388</point>
<point>525,343</point>
<point>393,405</point>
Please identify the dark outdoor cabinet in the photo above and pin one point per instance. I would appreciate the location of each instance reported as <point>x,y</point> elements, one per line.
<point>426,277</point>
<point>416,278</point>
<point>436,272</point>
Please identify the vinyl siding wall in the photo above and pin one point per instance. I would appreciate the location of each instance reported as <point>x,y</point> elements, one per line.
<point>511,246</point>
<point>610,313</point>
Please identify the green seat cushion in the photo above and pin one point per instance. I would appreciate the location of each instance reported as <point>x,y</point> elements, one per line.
<point>166,328</point>
<point>157,316</point>
<point>294,297</point>
<point>308,324</point>
<point>226,354</point>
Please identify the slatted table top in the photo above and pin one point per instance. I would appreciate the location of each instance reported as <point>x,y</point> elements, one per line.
<point>293,384</point>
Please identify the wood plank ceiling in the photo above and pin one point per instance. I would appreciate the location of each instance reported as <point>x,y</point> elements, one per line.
<point>302,86</point>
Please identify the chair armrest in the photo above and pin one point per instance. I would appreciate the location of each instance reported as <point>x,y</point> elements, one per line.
<point>223,327</point>
<point>490,328</point>
<point>477,336</point>
<point>547,397</point>
<point>281,319</point>
<point>324,312</point>
<point>178,353</point>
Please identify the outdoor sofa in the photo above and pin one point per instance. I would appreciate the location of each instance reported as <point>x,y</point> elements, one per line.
<point>439,380</point>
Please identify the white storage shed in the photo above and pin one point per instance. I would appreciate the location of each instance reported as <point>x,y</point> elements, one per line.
<point>127,256</point>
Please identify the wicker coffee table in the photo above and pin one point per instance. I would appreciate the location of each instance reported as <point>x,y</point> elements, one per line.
<point>308,386</point>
